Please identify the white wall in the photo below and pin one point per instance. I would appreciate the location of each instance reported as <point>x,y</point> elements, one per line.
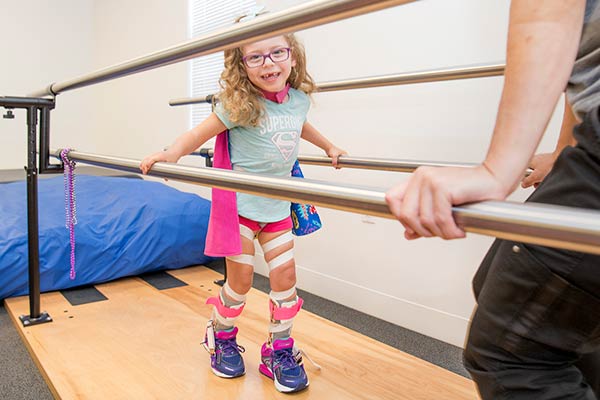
<point>132,113</point>
<point>364,262</point>
<point>43,41</point>
<point>360,261</point>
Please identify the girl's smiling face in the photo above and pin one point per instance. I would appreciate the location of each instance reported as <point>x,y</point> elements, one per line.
<point>271,76</point>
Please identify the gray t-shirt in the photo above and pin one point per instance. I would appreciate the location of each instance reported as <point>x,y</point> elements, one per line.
<point>583,90</point>
<point>270,148</point>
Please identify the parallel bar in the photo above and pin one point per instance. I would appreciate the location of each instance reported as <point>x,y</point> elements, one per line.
<point>464,72</point>
<point>23,102</point>
<point>378,164</point>
<point>554,226</point>
<point>307,15</point>
<point>434,75</point>
<point>192,100</point>
<point>384,164</point>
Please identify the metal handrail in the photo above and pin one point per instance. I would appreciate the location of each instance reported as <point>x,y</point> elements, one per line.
<point>547,225</point>
<point>434,75</point>
<point>379,164</point>
<point>307,15</point>
<point>371,163</point>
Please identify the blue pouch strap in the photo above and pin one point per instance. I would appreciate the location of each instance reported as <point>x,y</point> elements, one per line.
<point>304,216</point>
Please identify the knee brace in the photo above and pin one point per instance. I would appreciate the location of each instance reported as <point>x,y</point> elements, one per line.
<point>247,259</point>
<point>276,242</point>
<point>247,232</point>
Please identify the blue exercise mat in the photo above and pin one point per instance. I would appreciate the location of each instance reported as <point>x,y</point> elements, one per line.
<point>124,227</point>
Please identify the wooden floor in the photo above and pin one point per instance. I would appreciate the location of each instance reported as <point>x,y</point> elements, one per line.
<point>144,343</point>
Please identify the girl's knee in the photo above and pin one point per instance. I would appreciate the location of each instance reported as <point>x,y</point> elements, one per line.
<point>283,277</point>
<point>240,277</point>
<point>241,286</point>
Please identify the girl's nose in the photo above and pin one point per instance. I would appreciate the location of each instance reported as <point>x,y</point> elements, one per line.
<point>268,60</point>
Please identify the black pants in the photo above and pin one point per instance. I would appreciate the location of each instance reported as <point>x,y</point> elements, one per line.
<point>535,333</point>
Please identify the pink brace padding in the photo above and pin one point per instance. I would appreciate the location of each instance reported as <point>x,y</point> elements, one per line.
<point>222,309</point>
<point>223,234</point>
<point>282,313</point>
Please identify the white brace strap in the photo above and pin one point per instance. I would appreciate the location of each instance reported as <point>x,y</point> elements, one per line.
<point>232,294</point>
<point>242,259</point>
<point>246,232</point>
<point>281,259</point>
<point>282,326</point>
<point>278,241</point>
<point>227,321</point>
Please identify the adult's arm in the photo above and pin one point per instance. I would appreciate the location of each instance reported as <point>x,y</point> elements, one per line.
<point>542,163</point>
<point>543,39</point>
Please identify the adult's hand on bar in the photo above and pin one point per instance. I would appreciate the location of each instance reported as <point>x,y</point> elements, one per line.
<point>540,165</point>
<point>423,203</point>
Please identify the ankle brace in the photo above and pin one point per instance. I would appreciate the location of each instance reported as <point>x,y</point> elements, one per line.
<point>283,312</point>
<point>227,307</point>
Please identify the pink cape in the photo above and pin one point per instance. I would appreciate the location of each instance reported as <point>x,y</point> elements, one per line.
<point>223,235</point>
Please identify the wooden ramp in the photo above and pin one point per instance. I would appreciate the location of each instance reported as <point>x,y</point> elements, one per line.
<point>144,343</point>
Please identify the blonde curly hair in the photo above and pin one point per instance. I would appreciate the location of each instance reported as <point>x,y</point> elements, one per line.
<point>242,100</point>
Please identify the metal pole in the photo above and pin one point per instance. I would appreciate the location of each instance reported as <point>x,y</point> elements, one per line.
<point>546,225</point>
<point>35,316</point>
<point>44,158</point>
<point>434,75</point>
<point>384,164</point>
<point>307,15</point>
<point>378,164</point>
<point>32,105</point>
<point>32,214</point>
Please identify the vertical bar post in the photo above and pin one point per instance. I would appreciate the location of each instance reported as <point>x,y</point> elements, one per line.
<point>35,316</point>
<point>44,153</point>
<point>33,106</point>
<point>32,214</point>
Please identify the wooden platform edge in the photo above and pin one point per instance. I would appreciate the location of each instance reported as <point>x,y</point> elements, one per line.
<point>19,328</point>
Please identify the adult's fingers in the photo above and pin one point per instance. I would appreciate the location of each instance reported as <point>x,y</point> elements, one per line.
<point>444,220</point>
<point>426,211</point>
<point>410,208</point>
<point>393,198</point>
<point>535,177</point>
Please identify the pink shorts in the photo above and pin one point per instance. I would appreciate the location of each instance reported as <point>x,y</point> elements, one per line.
<point>254,226</point>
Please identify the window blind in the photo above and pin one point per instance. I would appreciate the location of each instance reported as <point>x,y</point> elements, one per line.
<point>205,17</point>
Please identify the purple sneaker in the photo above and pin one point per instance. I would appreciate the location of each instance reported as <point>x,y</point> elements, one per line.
<point>283,364</point>
<point>225,358</point>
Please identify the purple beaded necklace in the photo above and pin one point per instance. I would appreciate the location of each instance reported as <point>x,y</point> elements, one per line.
<point>70,209</point>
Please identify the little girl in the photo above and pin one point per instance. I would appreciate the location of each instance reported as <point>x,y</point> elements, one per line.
<point>262,112</point>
